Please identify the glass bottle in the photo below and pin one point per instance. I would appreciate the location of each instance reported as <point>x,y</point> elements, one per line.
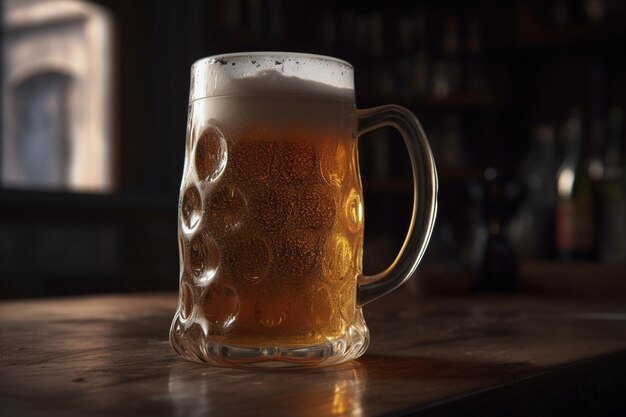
<point>574,220</point>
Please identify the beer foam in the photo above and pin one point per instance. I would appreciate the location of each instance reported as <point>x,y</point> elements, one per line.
<point>273,82</point>
<point>272,74</point>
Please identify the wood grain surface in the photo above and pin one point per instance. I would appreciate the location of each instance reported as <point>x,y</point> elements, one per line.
<point>488,355</point>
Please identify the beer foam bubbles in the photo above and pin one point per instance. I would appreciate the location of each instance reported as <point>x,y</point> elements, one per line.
<point>272,74</point>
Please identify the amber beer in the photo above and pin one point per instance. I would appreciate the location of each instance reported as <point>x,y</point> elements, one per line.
<point>277,225</point>
<point>270,212</point>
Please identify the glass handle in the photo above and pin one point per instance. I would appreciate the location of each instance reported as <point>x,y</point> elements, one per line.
<point>424,199</point>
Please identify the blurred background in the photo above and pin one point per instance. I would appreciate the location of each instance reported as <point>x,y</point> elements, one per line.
<point>523,102</point>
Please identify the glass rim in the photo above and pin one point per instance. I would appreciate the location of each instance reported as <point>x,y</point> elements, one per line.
<point>284,54</point>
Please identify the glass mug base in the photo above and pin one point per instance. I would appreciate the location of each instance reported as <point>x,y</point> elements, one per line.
<point>190,341</point>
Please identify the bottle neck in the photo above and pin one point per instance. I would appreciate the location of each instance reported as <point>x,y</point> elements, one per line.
<point>573,149</point>
<point>570,168</point>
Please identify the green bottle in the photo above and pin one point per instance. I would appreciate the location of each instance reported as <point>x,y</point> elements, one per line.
<point>574,221</point>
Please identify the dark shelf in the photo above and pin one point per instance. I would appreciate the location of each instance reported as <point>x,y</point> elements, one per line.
<point>13,199</point>
<point>460,175</point>
<point>457,101</point>
<point>582,34</point>
<point>390,186</point>
<point>400,185</point>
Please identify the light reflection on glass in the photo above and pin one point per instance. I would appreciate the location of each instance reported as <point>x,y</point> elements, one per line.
<point>565,183</point>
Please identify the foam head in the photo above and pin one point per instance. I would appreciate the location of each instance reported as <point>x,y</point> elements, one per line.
<point>271,73</point>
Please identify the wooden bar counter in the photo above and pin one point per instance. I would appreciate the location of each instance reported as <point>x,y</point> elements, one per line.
<point>481,355</point>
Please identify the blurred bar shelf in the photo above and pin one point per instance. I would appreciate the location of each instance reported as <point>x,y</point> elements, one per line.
<point>571,279</point>
<point>388,186</point>
<point>456,101</point>
<point>578,34</point>
<point>15,201</point>
<point>532,32</point>
<point>402,185</point>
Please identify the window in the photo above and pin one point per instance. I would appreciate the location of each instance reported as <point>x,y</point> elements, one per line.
<point>56,96</point>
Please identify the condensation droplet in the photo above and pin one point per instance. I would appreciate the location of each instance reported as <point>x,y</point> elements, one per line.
<point>353,211</point>
<point>248,258</point>
<point>186,300</point>
<point>204,258</point>
<point>273,208</point>
<point>227,209</point>
<point>314,208</point>
<point>220,307</point>
<point>298,254</point>
<point>191,208</point>
<point>252,159</point>
<point>211,154</point>
<point>297,162</point>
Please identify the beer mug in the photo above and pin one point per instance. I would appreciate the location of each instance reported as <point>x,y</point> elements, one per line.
<point>271,212</point>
